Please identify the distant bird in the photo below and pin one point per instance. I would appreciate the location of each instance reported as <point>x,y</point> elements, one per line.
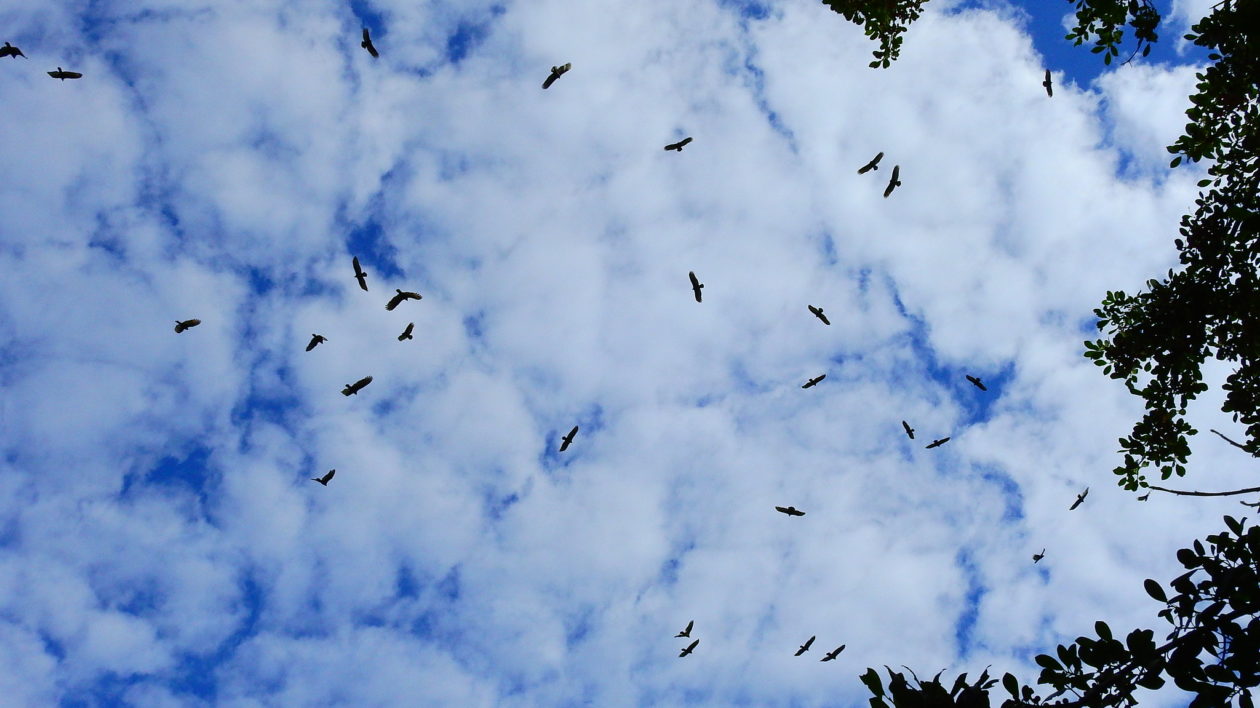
<point>818,312</point>
<point>814,381</point>
<point>872,165</point>
<point>8,50</point>
<point>976,382</point>
<point>402,295</point>
<point>805,647</point>
<point>831,655</point>
<point>1047,83</point>
<point>406,333</point>
<point>186,324</point>
<point>686,632</point>
<point>564,442</point>
<point>1038,556</point>
<point>63,75</point>
<point>357,386</point>
<point>909,430</point>
<point>367,44</point>
<point>678,146</point>
<point>316,340</point>
<point>324,480</point>
<point>1079,498</point>
<point>690,648</point>
<point>359,275</point>
<point>790,510</point>
<point>937,443</point>
<point>556,72</point>
<point>894,182</point>
<point>695,284</point>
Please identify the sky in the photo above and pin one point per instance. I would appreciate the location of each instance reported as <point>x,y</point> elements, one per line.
<point>161,540</point>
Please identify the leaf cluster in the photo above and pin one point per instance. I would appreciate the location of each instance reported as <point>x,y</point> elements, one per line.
<point>1105,21</point>
<point>882,20</point>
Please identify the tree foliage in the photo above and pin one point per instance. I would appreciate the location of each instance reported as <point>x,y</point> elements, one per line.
<point>882,20</point>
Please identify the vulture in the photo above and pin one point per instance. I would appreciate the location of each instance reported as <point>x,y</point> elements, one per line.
<point>893,182</point>
<point>686,632</point>
<point>976,382</point>
<point>909,430</point>
<point>63,75</point>
<point>872,165</point>
<point>789,510</point>
<point>324,480</point>
<point>1048,84</point>
<point>805,647</point>
<point>181,326</point>
<point>316,340</point>
<point>937,443</point>
<point>695,284</point>
<point>359,275</point>
<point>556,72</point>
<point>564,442</point>
<point>402,295</point>
<point>831,655</point>
<point>357,386</point>
<point>1079,498</point>
<point>690,648</point>
<point>406,333</point>
<point>1039,556</point>
<point>8,50</point>
<point>814,381</point>
<point>678,146</point>
<point>367,44</point>
<point>818,312</point>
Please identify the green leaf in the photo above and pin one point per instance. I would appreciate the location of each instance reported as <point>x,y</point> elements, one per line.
<point>1176,161</point>
<point>1155,590</point>
<point>871,679</point>
<point>1102,629</point>
<point>1011,685</point>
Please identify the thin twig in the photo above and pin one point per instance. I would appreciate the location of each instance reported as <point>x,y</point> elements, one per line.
<point>1206,494</point>
<point>1237,445</point>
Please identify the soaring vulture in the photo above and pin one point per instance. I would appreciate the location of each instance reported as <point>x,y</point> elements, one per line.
<point>814,381</point>
<point>805,647</point>
<point>894,182</point>
<point>357,386</point>
<point>564,442</point>
<point>678,146</point>
<point>359,275</point>
<point>695,284</point>
<point>686,632</point>
<point>406,333</point>
<point>402,295</point>
<point>186,324</point>
<point>909,430</point>
<point>367,44</point>
<point>872,165</point>
<point>690,648</point>
<point>818,312</point>
<point>1048,84</point>
<point>1038,556</point>
<point>63,75</point>
<point>316,340</point>
<point>324,480</point>
<point>1079,498</point>
<point>831,655</point>
<point>789,510</point>
<point>8,50</point>
<point>976,382</point>
<point>556,72</point>
<point>937,443</point>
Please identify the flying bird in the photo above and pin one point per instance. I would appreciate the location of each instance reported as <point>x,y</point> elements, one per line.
<point>564,442</point>
<point>805,647</point>
<point>8,50</point>
<point>831,655</point>
<point>1048,84</point>
<point>695,284</point>
<point>937,443</point>
<point>402,295</point>
<point>186,324</point>
<point>690,648</point>
<point>790,510</point>
<point>894,182</point>
<point>316,340</point>
<point>1079,498</point>
<point>814,381</point>
<point>324,480</point>
<point>406,333</point>
<point>686,632</point>
<point>818,312</point>
<point>63,75</point>
<point>909,430</point>
<point>367,44</point>
<point>872,165</point>
<point>357,386</point>
<point>359,275</point>
<point>976,382</point>
<point>1038,556</point>
<point>678,146</point>
<point>556,72</point>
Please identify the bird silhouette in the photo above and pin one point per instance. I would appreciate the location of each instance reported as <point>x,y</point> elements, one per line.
<point>367,44</point>
<point>359,275</point>
<point>805,647</point>
<point>352,389</point>
<point>789,510</point>
<point>402,295</point>
<point>695,284</point>
<point>977,382</point>
<point>686,632</point>
<point>1048,84</point>
<point>814,381</point>
<point>186,324</point>
<point>1079,498</point>
<point>556,72</point>
<point>8,50</point>
<point>937,443</point>
<point>1038,556</point>
<point>406,333</point>
<point>818,312</point>
<point>316,340</point>
<point>63,75</point>
<point>893,182</point>
<point>831,655</point>
<point>678,146</point>
<point>872,165</point>
<point>909,430</point>
<point>564,442</point>
<point>690,648</point>
<point>324,480</point>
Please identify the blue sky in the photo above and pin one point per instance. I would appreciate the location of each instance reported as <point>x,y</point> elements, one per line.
<point>161,542</point>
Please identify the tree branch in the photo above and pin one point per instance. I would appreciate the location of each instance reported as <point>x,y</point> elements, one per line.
<point>1237,445</point>
<point>1184,493</point>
